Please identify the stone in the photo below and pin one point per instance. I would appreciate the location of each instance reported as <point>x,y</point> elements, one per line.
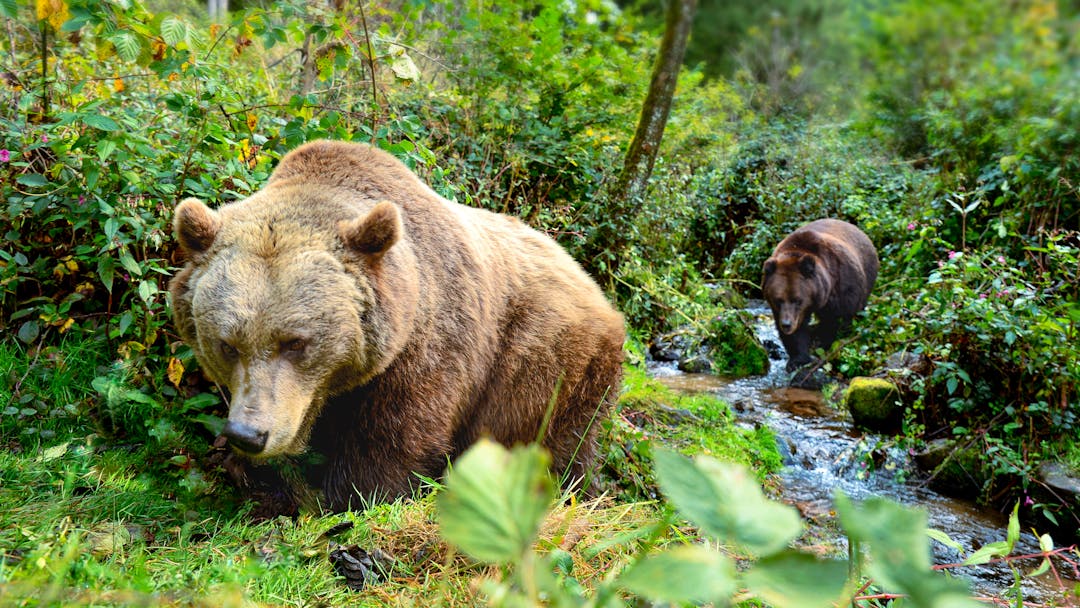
<point>874,404</point>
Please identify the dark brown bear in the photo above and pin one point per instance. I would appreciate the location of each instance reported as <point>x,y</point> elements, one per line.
<point>826,269</point>
<point>356,316</point>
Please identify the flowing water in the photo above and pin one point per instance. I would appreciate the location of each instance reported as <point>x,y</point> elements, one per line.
<point>824,453</point>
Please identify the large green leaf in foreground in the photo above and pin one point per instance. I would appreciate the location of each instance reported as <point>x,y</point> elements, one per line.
<point>726,501</point>
<point>495,500</point>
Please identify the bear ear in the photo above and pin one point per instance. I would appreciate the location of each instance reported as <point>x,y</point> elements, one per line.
<point>807,266</point>
<point>195,226</point>
<point>770,267</point>
<point>374,233</point>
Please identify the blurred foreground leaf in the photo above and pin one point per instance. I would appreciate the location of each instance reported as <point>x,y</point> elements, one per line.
<point>495,500</point>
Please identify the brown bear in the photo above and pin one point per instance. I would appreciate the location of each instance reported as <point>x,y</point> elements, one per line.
<point>357,316</point>
<point>825,269</point>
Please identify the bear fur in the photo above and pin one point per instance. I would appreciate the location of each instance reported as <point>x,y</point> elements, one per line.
<point>825,269</point>
<point>355,315</point>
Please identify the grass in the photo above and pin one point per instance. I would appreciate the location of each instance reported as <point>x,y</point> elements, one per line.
<point>129,517</point>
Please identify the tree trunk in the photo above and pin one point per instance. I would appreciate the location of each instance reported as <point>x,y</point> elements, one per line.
<point>217,9</point>
<point>627,195</point>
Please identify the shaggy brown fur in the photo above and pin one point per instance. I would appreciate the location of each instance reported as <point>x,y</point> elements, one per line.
<point>355,314</point>
<point>826,269</point>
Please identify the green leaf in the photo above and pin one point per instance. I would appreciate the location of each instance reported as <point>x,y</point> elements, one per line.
<point>127,45</point>
<point>726,501</point>
<point>100,121</point>
<point>146,291</point>
<point>200,402</point>
<point>112,226</point>
<point>105,148</point>
<point>951,384</point>
<point>899,552</point>
<point>33,179</point>
<point>214,424</point>
<point>29,331</point>
<point>987,552</point>
<point>945,539</point>
<point>9,9</point>
<point>129,263</point>
<point>1012,534</point>
<point>684,574</point>
<point>173,30</point>
<point>54,452</point>
<point>106,270</point>
<point>792,579</point>
<point>495,500</point>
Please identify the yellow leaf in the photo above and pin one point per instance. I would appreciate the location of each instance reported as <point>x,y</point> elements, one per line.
<point>72,265</point>
<point>118,85</point>
<point>252,122</point>
<point>175,371</point>
<point>53,11</point>
<point>66,325</point>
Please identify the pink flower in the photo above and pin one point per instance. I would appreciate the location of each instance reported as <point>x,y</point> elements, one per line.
<point>1028,501</point>
<point>953,255</point>
<point>1001,259</point>
<point>44,138</point>
<point>911,226</point>
<point>5,156</point>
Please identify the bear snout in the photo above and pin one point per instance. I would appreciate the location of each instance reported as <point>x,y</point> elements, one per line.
<point>244,437</point>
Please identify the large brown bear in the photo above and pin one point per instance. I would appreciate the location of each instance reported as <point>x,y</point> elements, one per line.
<point>356,315</point>
<point>825,269</point>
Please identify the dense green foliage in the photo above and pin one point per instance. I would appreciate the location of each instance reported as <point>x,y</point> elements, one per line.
<point>946,130</point>
<point>494,505</point>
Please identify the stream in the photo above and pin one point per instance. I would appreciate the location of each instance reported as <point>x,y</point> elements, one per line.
<point>823,452</point>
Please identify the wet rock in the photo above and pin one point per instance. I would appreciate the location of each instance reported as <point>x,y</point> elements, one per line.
<point>1061,479</point>
<point>934,454</point>
<point>955,469</point>
<point>696,364</point>
<point>671,346</point>
<point>908,363</point>
<point>810,377</point>
<point>775,351</point>
<point>874,404</point>
<point>1060,491</point>
<point>804,403</point>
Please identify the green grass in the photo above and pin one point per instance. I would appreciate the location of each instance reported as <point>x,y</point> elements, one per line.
<point>708,429</point>
<point>134,514</point>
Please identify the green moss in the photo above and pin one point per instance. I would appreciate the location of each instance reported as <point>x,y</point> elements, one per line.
<point>873,403</point>
<point>733,347</point>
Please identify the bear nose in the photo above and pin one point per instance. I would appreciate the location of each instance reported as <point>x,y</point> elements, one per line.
<point>245,438</point>
<point>785,325</point>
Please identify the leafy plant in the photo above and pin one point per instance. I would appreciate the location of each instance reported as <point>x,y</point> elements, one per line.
<point>723,501</point>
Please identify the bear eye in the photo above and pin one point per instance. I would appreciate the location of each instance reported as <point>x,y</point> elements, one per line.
<point>228,350</point>
<point>296,346</point>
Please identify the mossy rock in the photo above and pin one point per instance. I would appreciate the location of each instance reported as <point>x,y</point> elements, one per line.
<point>874,404</point>
<point>733,348</point>
<point>957,470</point>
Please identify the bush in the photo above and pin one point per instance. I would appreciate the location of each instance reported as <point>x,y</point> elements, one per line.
<point>998,333</point>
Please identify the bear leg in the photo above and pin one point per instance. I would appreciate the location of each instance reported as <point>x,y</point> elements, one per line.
<point>797,346</point>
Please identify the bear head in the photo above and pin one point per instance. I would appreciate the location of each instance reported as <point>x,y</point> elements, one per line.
<point>796,285</point>
<point>279,307</point>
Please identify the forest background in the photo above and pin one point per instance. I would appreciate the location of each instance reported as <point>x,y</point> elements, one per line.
<point>946,130</point>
